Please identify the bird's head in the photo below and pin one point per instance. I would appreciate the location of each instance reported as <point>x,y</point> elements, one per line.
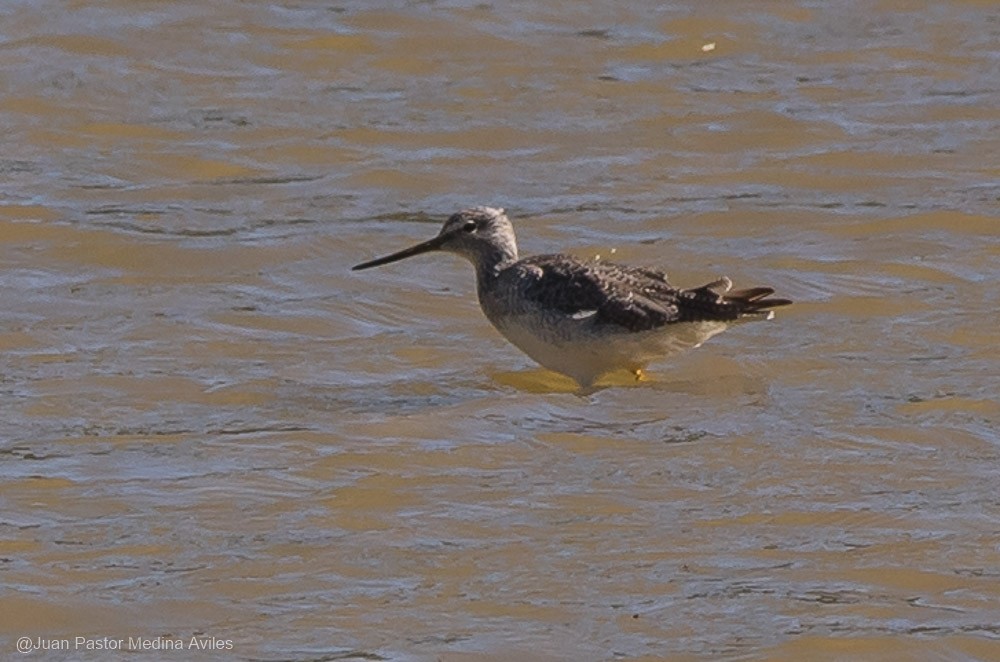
<point>482,235</point>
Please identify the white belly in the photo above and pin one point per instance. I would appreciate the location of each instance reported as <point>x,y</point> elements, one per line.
<point>584,352</point>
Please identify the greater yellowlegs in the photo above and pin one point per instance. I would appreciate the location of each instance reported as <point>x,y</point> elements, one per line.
<point>585,318</point>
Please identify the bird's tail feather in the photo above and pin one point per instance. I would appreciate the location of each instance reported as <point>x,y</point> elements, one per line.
<point>716,301</point>
<point>755,301</point>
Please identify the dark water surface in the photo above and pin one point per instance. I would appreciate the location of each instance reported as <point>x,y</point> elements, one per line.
<point>210,428</point>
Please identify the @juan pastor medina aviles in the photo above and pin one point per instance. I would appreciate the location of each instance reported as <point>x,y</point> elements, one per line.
<point>195,642</point>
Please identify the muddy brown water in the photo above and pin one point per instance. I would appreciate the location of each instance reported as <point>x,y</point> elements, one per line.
<point>210,428</point>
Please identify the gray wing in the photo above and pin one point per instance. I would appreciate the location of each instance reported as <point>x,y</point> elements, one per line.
<point>635,298</point>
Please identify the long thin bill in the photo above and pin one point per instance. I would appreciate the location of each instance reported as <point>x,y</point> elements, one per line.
<point>423,247</point>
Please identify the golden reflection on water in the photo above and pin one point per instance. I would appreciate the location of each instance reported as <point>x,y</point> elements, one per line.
<point>210,426</point>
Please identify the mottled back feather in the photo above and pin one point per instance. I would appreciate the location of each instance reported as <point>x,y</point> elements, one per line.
<point>635,298</point>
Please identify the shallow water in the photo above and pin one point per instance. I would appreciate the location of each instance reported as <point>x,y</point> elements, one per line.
<point>211,428</point>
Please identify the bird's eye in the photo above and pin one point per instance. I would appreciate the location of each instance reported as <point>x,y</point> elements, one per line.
<point>470,226</point>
